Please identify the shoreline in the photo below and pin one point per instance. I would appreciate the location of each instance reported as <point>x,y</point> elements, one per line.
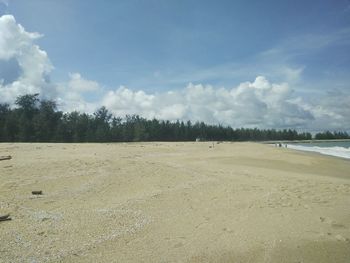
<point>315,146</point>
<point>335,151</point>
<point>306,141</point>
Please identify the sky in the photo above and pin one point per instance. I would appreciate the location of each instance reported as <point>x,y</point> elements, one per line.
<point>266,64</point>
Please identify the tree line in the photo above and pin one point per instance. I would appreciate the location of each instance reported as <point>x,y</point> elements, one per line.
<point>327,135</point>
<point>38,120</point>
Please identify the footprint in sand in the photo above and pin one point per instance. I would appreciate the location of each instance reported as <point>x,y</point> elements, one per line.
<point>331,222</point>
<point>341,238</point>
<point>228,230</point>
<point>177,245</point>
<point>337,225</point>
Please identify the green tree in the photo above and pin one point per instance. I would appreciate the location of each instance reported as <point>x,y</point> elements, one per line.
<point>102,124</point>
<point>27,108</point>
<point>46,121</point>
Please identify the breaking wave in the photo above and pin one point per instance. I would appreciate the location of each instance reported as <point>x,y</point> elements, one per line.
<point>334,151</point>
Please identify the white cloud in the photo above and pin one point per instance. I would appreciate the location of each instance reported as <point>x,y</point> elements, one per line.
<point>259,103</point>
<point>71,95</point>
<point>31,66</point>
<point>124,101</point>
<point>18,45</point>
<point>331,111</point>
<point>79,84</point>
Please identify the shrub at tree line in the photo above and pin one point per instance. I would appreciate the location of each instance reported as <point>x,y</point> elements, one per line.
<point>35,120</point>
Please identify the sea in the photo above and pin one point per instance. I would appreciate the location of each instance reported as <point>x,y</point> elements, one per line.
<point>333,148</point>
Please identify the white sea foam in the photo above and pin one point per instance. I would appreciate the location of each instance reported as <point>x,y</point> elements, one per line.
<point>334,151</point>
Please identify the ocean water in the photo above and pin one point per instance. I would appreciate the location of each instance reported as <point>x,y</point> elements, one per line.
<point>336,148</point>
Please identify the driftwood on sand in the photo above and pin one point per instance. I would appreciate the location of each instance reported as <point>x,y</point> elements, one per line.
<point>5,217</point>
<point>8,157</point>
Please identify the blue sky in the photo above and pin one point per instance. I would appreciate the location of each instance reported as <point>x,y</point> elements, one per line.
<point>157,46</point>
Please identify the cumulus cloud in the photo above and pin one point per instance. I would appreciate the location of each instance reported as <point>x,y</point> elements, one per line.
<point>20,55</point>
<point>25,68</point>
<point>256,104</point>
<point>251,104</point>
<point>79,84</point>
<point>71,96</point>
<point>331,111</point>
<point>125,101</point>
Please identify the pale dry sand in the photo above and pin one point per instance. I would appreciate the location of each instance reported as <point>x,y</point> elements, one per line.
<point>173,202</point>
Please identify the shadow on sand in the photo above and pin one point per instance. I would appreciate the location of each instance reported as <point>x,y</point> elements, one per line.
<point>306,251</point>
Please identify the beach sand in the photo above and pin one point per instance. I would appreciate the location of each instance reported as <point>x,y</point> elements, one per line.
<point>173,202</point>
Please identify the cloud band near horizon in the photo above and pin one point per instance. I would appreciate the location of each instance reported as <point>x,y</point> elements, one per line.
<point>25,68</point>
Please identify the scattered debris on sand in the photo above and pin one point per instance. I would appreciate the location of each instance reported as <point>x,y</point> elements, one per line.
<point>7,157</point>
<point>5,217</point>
<point>40,192</point>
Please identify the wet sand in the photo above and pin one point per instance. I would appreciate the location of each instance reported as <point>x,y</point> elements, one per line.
<point>173,202</point>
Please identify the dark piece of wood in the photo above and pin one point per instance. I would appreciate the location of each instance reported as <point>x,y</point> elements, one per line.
<point>37,192</point>
<point>5,217</point>
<point>2,158</point>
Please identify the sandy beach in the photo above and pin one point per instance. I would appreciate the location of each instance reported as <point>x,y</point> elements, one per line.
<point>173,202</point>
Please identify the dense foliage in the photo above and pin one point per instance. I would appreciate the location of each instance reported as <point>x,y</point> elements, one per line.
<point>331,135</point>
<point>35,120</point>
